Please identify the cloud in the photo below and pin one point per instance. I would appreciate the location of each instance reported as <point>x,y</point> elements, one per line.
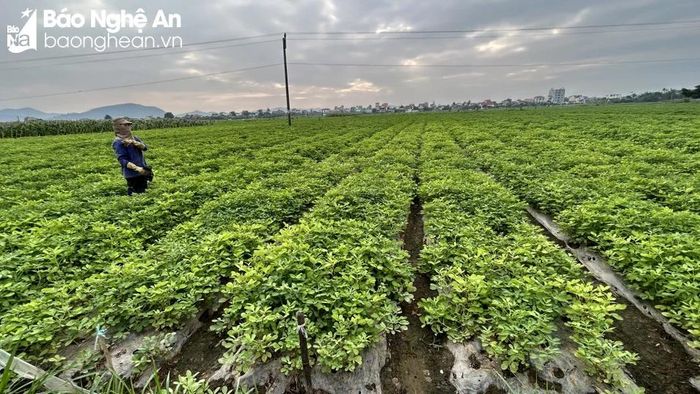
<point>416,79</point>
<point>524,74</point>
<point>82,5</point>
<point>494,46</point>
<point>436,57</point>
<point>235,96</point>
<point>328,10</point>
<point>399,27</point>
<point>471,74</point>
<point>191,71</point>
<point>577,19</point>
<point>312,90</point>
<point>507,43</point>
<point>513,40</point>
<point>329,86</point>
<point>194,59</point>
<point>359,85</point>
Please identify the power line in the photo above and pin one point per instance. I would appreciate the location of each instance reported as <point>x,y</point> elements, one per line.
<point>601,63</point>
<point>367,65</point>
<point>372,65</point>
<point>534,28</point>
<point>463,37</point>
<point>140,56</point>
<point>141,83</point>
<point>317,33</point>
<point>138,50</point>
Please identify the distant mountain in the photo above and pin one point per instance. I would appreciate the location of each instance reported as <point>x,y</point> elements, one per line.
<point>135,111</point>
<point>11,115</point>
<point>195,113</point>
<point>129,110</point>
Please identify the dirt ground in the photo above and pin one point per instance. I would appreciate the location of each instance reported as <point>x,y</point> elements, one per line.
<point>663,366</point>
<point>419,362</point>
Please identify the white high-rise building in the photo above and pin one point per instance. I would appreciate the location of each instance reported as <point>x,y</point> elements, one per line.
<point>556,96</point>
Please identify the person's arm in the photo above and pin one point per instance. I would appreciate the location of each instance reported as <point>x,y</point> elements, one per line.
<point>121,152</point>
<point>123,158</point>
<point>139,144</point>
<point>136,168</point>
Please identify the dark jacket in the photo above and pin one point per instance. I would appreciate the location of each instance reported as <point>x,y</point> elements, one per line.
<point>126,154</point>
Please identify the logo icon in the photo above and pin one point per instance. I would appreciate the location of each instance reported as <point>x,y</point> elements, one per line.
<point>20,40</point>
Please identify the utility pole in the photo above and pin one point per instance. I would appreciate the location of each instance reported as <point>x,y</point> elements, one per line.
<point>286,77</point>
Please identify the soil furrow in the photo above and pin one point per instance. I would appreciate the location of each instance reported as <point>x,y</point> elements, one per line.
<point>419,362</point>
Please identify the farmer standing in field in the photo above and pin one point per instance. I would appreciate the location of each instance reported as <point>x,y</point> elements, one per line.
<point>129,150</point>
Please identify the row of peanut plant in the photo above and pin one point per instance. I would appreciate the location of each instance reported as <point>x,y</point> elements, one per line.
<point>167,283</point>
<point>343,266</point>
<point>637,203</point>
<point>498,278</point>
<point>76,244</point>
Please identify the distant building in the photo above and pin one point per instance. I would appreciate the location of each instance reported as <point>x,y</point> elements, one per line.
<point>506,103</point>
<point>577,99</point>
<point>556,96</point>
<point>539,99</point>
<point>487,104</point>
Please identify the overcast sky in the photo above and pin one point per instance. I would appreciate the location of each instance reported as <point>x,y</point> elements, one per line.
<point>315,86</point>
